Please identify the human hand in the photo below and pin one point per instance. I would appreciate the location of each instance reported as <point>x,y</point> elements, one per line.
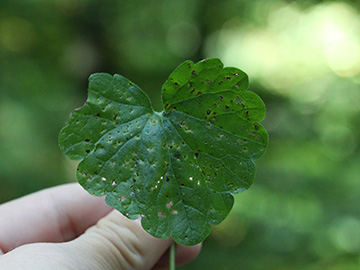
<point>66,228</point>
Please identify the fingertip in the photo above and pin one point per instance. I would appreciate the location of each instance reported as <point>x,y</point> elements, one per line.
<point>183,255</point>
<point>119,243</point>
<point>186,254</point>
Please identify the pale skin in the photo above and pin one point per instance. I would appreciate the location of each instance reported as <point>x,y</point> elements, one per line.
<point>65,228</point>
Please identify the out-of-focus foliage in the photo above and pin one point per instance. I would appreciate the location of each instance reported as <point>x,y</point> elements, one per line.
<point>303,58</point>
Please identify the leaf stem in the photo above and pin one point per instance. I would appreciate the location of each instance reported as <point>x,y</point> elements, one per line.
<point>172,257</point>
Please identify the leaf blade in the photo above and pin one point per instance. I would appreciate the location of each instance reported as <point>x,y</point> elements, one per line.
<point>176,169</point>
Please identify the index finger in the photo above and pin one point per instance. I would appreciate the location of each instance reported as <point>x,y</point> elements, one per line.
<point>53,215</point>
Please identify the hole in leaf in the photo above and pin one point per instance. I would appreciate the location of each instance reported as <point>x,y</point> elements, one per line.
<point>169,204</point>
<point>238,100</point>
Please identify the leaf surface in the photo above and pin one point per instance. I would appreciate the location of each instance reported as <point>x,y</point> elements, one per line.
<point>177,168</point>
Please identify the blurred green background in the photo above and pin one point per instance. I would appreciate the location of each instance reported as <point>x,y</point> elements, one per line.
<point>303,59</point>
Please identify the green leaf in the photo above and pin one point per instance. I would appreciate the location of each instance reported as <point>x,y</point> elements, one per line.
<point>177,168</point>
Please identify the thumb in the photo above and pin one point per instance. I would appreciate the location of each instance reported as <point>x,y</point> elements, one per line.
<point>116,242</point>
